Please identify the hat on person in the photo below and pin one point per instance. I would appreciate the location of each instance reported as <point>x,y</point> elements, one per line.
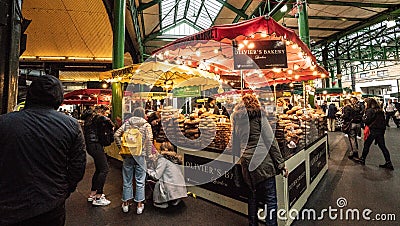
<point>47,91</point>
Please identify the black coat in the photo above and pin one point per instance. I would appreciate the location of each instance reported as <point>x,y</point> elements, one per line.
<point>332,110</point>
<point>254,139</point>
<point>42,159</point>
<point>375,120</point>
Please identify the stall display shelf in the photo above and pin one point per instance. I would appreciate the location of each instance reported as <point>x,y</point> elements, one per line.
<point>306,168</point>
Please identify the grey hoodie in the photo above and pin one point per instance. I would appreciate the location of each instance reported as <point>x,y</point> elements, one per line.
<point>145,130</point>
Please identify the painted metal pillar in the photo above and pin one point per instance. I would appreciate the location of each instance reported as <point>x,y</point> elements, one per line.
<point>10,34</point>
<point>118,57</point>
<point>304,31</point>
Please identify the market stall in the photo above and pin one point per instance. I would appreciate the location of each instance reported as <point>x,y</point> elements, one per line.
<point>254,54</point>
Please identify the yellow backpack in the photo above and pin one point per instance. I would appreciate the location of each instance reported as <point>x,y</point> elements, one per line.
<point>131,142</point>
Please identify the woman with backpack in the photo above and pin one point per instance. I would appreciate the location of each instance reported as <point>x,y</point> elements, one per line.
<point>374,118</point>
<point>135,164</point>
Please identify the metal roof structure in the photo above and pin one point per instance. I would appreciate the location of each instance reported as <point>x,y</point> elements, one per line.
<point>80,32</point>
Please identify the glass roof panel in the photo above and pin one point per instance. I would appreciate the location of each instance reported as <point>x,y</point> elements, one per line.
<point>167,12</point>
<point>200,13</point>
<point>181,9</point>
<point>182,28</point>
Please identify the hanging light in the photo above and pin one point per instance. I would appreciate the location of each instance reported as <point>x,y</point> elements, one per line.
<point>251,45</point>
<point>295,46</point>
<point>290,72</point>
<point>296,77</point>
<point>390,23</point>
<point>291,85</point>
<point>284,8</point>
<point>245,42</point>
<point>198,53</point>
<point>240,46</point>
<point>296,67</point>
<point>264,35</point>
<point>315,73</point>
<point>216,51</point>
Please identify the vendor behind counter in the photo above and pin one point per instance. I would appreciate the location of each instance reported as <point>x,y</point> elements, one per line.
<point>211,104</point>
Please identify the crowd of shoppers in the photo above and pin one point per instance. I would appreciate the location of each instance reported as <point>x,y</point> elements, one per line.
<point>371,117</point>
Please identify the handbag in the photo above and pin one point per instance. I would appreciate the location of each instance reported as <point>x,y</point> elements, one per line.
<point>397,115</point>
<point>237,173</point>
<point>366,132</point>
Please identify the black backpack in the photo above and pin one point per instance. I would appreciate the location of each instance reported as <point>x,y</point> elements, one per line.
<point>105,131</point>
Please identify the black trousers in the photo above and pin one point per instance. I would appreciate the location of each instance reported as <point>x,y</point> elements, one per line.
<point>55,217</point>
<point>380,140</point>
<point>100,161</point>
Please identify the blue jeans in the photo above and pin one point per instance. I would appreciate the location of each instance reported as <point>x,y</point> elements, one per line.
<point>266,194</point>
<point>133,166</point>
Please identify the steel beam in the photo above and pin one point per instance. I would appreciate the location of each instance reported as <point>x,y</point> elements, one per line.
<point>330,18</point>
<point>243,9</point>
<point>147,5</point>
<point>233,8</point>
<point>354,4</point>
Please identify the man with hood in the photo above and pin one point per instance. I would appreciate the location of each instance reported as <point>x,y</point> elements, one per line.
<point>135,165</point>
<point>42,158</point>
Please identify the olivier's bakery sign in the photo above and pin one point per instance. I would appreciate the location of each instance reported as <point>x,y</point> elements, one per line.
<point>212,175</point>
<point>259,54</point>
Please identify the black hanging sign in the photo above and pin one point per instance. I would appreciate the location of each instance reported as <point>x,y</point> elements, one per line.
<point>259,54</point>
<point>297,183</point>
<point>317,161</point>
<point>212,175</point>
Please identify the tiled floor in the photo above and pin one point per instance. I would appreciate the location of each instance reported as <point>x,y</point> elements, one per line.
<point>363,187</point>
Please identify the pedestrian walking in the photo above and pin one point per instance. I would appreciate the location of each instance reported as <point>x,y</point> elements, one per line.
<point>350,128</point>
<point>358,108</point>
<point>390,111</point>
<point>42,158</point>
<point>374,118</point>
<point>331,117</point>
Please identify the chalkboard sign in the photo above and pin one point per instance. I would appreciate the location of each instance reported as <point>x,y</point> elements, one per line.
<point>297,183</point>
<point>212,175</point>
<point>317,161</point>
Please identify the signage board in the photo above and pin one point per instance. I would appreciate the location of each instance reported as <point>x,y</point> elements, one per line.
<point>188,91</point>
<point>317,161</point>
<point>212,175</point>
<point>297,183</point>
<point>260,54</point>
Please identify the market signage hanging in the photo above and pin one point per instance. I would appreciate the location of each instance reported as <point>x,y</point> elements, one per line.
<point>189,91</point>
<point>259,54</point>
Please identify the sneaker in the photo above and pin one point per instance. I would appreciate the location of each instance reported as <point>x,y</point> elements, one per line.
<point>161,205</point>
<point>102,201</point>
<point>92,197</point>
<point>139,210</point>
<point>345,135</point>
<point>360,160</point>
<point>125,209</point>
<point>176,202</point>
<point>387,165</point>
<point>358,137</point>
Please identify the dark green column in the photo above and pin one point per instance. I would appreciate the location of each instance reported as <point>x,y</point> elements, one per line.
<point>10,34</point>
<point>118,56</point>
<point>304,32</point>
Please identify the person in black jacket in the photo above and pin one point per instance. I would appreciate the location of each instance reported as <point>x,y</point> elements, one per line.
<point>42,158</point>
<point>260,158</point>
<point>374,118</point>
<point>350,128</point>
<point>93,121</point>
<point>359,109</point>
<point>331,116</point>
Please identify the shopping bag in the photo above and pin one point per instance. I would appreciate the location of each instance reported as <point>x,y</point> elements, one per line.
<point>366,132</point>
